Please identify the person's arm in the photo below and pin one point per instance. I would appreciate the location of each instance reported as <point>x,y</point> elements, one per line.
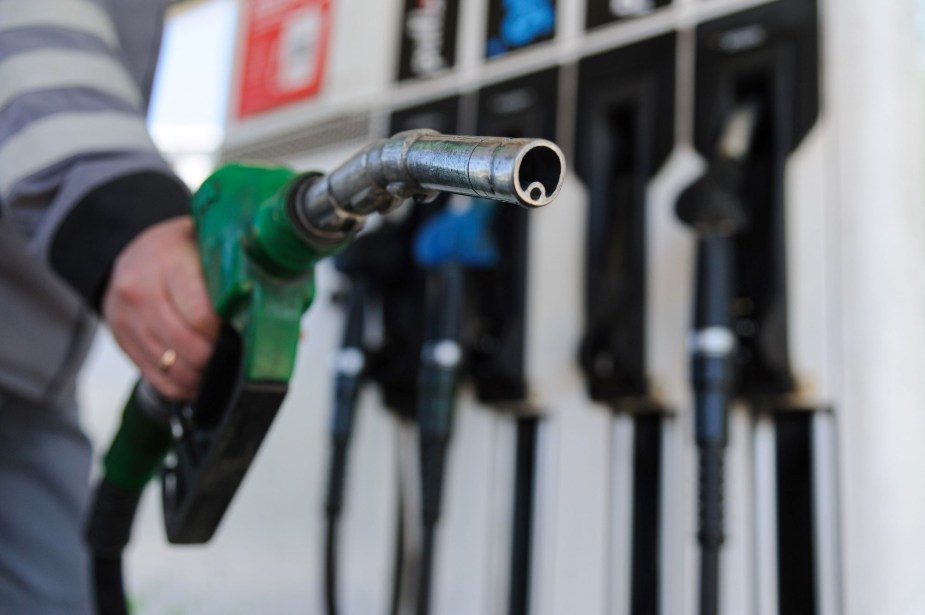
<point>81,178</point>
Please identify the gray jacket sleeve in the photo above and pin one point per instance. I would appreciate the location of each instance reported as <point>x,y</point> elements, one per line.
<point>79,174</point>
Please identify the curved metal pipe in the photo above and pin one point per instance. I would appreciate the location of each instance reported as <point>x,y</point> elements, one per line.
<point>420,164</point>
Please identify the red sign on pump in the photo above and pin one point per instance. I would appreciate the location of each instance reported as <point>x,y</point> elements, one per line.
<point>285,52</point>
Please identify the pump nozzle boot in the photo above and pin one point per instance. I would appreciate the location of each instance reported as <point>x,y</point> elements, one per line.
<point>711,206</point>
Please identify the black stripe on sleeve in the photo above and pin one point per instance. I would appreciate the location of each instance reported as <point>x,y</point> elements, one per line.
<point>104,221</point>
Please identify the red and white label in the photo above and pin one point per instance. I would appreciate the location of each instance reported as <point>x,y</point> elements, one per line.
<point>285,52</point>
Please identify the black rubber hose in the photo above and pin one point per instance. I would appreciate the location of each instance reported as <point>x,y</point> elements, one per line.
<point>108,585</point>
<point>347,383</point>
<point>713,374</point>
<point>425,581</point>
<point>440,365</point>
<point>433,462</point>
<point>709,581</point>
<point>330,569</point>
<point>522,523</point>
<point>711,534</point>
<point>333,508</point>
<point>398,561</point>
<point>108,533</point>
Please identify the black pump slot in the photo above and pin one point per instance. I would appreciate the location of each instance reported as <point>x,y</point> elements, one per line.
<point>625,133</point>
<point>761,290</point>
<point>647,505</point>
<point>796,548</point>
<point>613,352</point>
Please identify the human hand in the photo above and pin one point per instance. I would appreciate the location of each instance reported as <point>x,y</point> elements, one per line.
<point>157,302</point>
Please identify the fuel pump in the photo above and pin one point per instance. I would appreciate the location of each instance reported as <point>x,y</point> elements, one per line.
<point>625,132</point>
<point>261,231</point>
<point>457,242</point>
<point>446,246</point>
<point>712,208</point>
<point>394,293</point>
<point>497,337</point>
<point>756,99</point>
<point>350,363</point>
<point>382,300</point>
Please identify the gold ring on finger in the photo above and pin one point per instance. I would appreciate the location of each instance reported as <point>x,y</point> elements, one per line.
<point>167,360</point>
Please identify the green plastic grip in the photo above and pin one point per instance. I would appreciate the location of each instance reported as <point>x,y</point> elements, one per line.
<point>138,449</point>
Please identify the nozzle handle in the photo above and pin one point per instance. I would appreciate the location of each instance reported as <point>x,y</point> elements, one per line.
<point>134,456</point>
<point>142,440</point>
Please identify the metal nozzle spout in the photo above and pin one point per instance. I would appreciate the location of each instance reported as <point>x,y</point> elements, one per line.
<point>526,172</point>
<point>422,163</point>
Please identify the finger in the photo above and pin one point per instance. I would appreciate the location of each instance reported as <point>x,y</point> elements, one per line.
<point>145,345</point>
<point>134,349</point>
<point>177,380</point>
<point>168,387</point>
<point>193,347</point>
<point>179,385</point>
<point>187,292</point>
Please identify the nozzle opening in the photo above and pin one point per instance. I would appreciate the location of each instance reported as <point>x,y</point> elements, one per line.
<point>539,175</point>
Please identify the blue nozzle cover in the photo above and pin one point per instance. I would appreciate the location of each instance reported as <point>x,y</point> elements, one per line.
<point>458,237</point>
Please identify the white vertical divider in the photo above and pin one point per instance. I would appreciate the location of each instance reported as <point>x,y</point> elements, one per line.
<point>876,164</point>
<point>764,498</point>
<point>572,568</point>
<point>497,574</point>
<point>620,515</point>
<point>465,533</point>
<point>826,481</point>
<point>737,564</point>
